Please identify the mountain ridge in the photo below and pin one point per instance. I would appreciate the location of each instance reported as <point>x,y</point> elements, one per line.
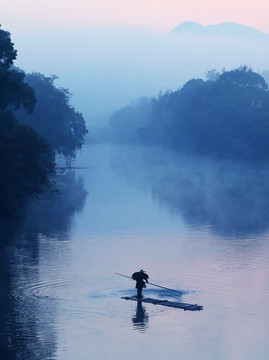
<point>222,29</point>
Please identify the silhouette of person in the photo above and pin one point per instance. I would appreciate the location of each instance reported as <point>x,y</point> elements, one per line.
<point>140,277</point>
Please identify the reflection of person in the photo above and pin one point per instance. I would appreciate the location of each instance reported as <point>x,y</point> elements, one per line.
<point>140,277</point>
<point>140,319</point>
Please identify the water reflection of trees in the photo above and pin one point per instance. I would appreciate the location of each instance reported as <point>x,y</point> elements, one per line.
<point>26,322</point>
<point>231,198</point>
<point>55,214</point>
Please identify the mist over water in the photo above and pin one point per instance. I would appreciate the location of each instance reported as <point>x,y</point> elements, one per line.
<point>228,196</point>
<point>195,225</point>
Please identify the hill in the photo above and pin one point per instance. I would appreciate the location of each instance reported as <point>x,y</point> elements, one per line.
<point>223,29</point>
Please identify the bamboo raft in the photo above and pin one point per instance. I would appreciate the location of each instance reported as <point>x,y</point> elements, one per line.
<point>174,304</point>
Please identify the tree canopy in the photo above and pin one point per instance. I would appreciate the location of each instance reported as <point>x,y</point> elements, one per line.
<point>26,159</point>
<point>53,117</point>
<point>7,52</point>
<point>225,116</point>
<point>125,121</point>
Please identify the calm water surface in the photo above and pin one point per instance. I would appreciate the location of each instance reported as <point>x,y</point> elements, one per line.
<point>197,226</point>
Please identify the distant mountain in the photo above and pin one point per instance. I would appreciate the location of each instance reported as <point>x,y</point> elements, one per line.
<point>224,29</point>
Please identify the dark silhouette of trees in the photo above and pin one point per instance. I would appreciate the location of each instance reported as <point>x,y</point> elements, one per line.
<point>26,159</point>
<point>7,52</point>
<point>53,117</point>
<point>225,117</point>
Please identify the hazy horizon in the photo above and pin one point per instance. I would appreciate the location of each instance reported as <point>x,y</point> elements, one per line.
<point>177,186</point>
<point>106,67</point>
<point>158,14</point>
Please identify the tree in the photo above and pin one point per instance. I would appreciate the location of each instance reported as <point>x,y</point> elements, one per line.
<point>211,75</point>
<point>14,92</point>
<point>225,117</point>
<point>26,160</point>
<point>7,52</point>
<point>126,122</point>
<point>265,75</point>
<point>243,77</point>
<point>53,117</point>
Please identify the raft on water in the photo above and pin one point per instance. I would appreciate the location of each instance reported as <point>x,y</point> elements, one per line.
<point>174,304</point>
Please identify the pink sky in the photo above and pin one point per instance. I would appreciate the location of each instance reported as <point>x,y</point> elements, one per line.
<point>158,14</point>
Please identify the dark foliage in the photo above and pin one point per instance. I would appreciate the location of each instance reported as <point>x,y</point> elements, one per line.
<point>14,93</point>
<point>7,52</point>
<point>26,159</point>
<point>53,117</point>
<point>225,117</point>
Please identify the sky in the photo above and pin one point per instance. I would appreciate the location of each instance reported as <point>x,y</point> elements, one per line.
<point>158,14</point>
<point>110,52</point>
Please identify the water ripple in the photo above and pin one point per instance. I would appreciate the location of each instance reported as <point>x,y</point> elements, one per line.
<point>53,290</point>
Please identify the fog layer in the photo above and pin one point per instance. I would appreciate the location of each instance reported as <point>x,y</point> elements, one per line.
<point>105,68</point>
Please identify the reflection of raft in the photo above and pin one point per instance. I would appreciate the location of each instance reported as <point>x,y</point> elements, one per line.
<point>174,304</point>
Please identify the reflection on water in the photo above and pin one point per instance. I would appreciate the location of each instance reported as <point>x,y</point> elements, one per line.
<point>27,322</point>
<point>54,215</point>
<point>141,318</point>
<point>26,325</point>
<point>231,198</point>
<point>61,300</point>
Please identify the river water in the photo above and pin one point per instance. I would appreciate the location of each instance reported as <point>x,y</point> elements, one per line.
<point>195,225</point>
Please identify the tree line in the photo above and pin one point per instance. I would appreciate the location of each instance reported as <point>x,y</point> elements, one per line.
<point>226,116</point>
<point>36,122</point>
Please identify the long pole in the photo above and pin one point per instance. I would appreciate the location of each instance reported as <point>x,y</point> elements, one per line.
<point>162,287</point>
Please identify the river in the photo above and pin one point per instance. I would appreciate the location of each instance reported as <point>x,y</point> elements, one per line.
<point>199,226</point>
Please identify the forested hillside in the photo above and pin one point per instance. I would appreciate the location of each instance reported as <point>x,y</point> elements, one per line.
<point>225,116</point>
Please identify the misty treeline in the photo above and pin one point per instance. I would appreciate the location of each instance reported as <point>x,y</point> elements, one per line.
<point>36,123</point>
<point>226,115</point>
<point>53,117</point>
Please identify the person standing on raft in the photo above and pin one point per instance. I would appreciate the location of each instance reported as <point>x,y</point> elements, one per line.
<point>140,277</point>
